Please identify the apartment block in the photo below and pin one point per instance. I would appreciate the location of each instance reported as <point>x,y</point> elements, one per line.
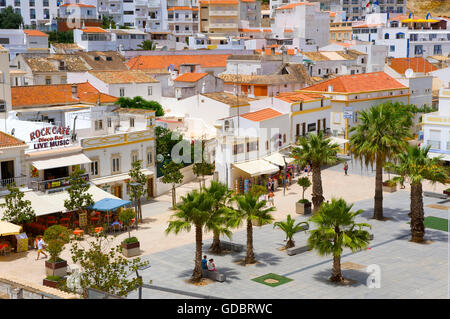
<point>35,13</point>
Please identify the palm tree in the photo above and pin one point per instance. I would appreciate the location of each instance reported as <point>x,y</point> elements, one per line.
<point>380,137</point>
<point>250,208</point>
<point>336,230</point>
<point>318,150</point>
<point>147,45</point>
<point>415,166</point>
<point>218,221</point>
<point>194,210</point>
<point>290,229</point>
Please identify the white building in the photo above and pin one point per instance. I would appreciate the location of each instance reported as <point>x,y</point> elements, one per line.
<point>36,14</point>
<point>325,63</point>
<point>23,41</point>
<point>94,39</point>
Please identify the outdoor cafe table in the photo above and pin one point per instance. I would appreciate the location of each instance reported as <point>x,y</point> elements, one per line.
<point>78,232</point>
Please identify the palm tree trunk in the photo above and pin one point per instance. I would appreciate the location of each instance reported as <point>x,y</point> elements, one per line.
<point>337,274</point>
<point>417,214</point>
<point>250,257</point>
<point>174,201</point>
<point>317,191</point>
<point>215,246</point>
<point>378,208</point>
<point>197,274</point>
<point>139,211</point>
<point>290,243</point>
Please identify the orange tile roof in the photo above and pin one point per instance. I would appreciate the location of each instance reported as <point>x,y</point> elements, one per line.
<point>261,115</point>
<point>293,5</point>
<point>219,1</point>
<point>288,30</point>
<point>365,82</point>
<point>7,140</point>
<point>152,62</point>
<point>272,46</point>
<point>418,65</point>
<point>182,8</point>
<point>35,33</point>
<point>293,97</point>
<point>93,30</point>
<point>77,5</point>
<point>267,52</point>
<point>56,94</point>
<point>190,77</point>
<point>267,30</point>
<point>249,30</point>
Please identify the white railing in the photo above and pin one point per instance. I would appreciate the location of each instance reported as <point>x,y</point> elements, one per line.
<point>20,181</point>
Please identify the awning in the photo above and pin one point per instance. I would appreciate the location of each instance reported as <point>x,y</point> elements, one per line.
<point>109,204</point>
<point>338,140</point>
<point>278,159</point>
<point>445,157</point>
<point>7,228</point>
<point>257,167</point>
<point>61,161</point>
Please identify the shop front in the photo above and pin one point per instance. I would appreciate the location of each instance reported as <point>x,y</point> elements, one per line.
<point>257,172</point>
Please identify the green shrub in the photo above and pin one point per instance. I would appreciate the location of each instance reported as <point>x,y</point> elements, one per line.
<point>303,201</point>
<point>390,183</point>
<point>56,237</point>
<point>130,240</point>
<point>53,278</point>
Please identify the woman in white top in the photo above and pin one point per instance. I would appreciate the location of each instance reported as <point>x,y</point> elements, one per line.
<point>211,265</point>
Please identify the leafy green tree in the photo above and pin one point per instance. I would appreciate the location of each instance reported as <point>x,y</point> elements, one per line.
<point>380,137</point>
<point>105,268</point>
<point>415,166</point>
<point>60,36</point>
<point>126,216</point>
<point>201,168</point>
<point>194,210</point>
<point>138,102</point>
<point>318,150</point>
<point>336,230</point>
<point>165,141</point>
<point>220,213</point>
<point>79,197</point>
<point>304,183</point>
<point>17,210</point>
<point>172,175</point>
<point>9,19</point>
<point>56,237</point>
<point>290,228</point>
<point>136,176</point>
<point>147,45</point>
<point>250,208</point>
<point>107,22</point>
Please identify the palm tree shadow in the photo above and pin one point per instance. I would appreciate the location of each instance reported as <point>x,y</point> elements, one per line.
<point>354,278</point>
<point>395,215</point>
<point>230,274</point>
<point>431,235</point>
<point>265,259</point>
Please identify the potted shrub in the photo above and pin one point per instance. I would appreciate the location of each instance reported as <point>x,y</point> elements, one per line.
<point>447,191</point>
<point>51,281</point>
<point>303,206</point>
<point>56,237</point>
<point>130,246</point>
<point>389,186</point>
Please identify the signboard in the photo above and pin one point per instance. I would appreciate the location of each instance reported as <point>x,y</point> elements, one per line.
<point>49,137</point>
<point>82,219</point>
<point>348,112</point>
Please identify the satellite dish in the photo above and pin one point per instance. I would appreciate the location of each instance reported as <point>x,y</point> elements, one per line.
<point>409,73</point>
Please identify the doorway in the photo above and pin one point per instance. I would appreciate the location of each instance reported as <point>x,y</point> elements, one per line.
<point>55,173</point>
<point>7,170</point>
<point>117,191</point>
<point>150,187</point>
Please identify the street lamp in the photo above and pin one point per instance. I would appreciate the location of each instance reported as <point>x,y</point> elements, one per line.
<point>134,185</point>
<point>137,274</point>
<point>285,176</point>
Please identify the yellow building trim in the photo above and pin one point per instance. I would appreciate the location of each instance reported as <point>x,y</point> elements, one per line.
<point>240,105</point>
<point>318,100</point>
<point>119,144</point>
<point>317,109</point>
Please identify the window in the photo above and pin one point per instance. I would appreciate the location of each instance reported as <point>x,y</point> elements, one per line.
<point>98,125</point>
<point>122,92</point>
<point>150,90</point>
<point>94,168</point>
<point>134,156</point>
<point>392,48</point>
<point>149,158</point>
<point>109,122</point>
<point>131,121</point>
<point>284,138</point>
<point>437,49</point>
<point>48,80</point>
<point>116,164</point>
<point>311,127</point>
<point>301,106</point>
<point>238,148</point>
<point>267,145</point>
<point>321,103</point>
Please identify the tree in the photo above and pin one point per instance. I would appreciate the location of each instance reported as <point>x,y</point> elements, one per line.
<point>381,136</point>
<point>219,217</point>
<point>60,36</point>
<point>9,19</point>
<point>250,208</point>
<point>147,45</point>
<point>415,166</point>
<point>17,210</point>
<point>56,237</point>
<point>318,150</point>
<point>290,228</point>
<point>194,210</point>
<point>304,182</point>
<point>172,175</point>
<point>104,268</point>
<point>258,190</point>
<point>137,177</point>
<point>126,216</point>
<point>138,102</point>
<point>79,197</point>
<point>337,229</point>
<point>202,169</point>
<point>165,141</point>
<point>107,22</point>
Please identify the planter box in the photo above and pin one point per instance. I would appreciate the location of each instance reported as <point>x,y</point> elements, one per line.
<point>303,208</point>
<point>50,283</point>
<point>56,269</point>
<point>389,189</point>
<point>131,250</point>
<point>447,193</point>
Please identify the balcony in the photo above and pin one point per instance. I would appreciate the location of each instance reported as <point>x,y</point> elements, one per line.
<point>54,184</point>
<point>222,13</point>
<point>20,181</point>
<point>140,3</point>
<point>223,25</point>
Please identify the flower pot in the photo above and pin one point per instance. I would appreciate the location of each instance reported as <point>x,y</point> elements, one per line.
<point>50,283</point>
<point>389,189</point>
<point>58,268</point>
<point>131,250</point>
<point>303,208</point>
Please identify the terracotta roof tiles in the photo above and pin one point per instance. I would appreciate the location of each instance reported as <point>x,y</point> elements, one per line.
<point>163,61</point>
<point>126,76</point>
<point>7,140</point>
<point>261,115</point>
<point>190,77</point>
<point>35,33</point>
<point>418,65</point>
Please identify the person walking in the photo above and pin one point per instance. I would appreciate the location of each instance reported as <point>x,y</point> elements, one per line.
<point>41,246</point>
<point>308,169</point>
<point>270,198</point>
<point>346,168</point>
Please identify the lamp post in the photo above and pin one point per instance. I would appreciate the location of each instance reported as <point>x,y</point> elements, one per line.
<point>285,176</point>
<point>134,185</point>
<point>139,276</point>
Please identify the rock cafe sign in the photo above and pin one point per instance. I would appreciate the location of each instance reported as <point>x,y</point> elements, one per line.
<point>48,137</point>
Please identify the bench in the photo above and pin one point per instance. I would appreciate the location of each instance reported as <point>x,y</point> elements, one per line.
<point>214,275</point>
<point>297,250</point>
<point>231,246</point>
<point>435,195</point>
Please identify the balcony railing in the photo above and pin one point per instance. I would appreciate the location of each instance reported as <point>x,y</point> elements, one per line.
<point>223,13</point>
<point>19,181</point>
<point>54,183</point>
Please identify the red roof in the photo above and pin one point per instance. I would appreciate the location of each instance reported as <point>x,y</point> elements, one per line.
<point>293,97</point>
<point>365,82</point>
<point>182,8</point>
<point>77,5</point>
<point>293,5</point>
<point>35,33</point>
<point>418,65</point>
<point>190,77</point>
<point>93,30</point>
<point>261,115</point>
<point>152,62</point>
<point>7,140</point>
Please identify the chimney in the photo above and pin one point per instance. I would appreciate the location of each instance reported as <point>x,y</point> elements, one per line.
<point>330,88</point>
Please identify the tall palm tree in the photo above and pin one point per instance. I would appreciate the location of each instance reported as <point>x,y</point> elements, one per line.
<point>336,229</point>
<point>290,228</point>
<point>318,150</point>
<point>194,211</point>
<point>218,221</point>
<point>415,166</point>
<point>380,137</point>
<point>250,208</point>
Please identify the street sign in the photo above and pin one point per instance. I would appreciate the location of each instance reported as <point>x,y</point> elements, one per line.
<point>348,112</point>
